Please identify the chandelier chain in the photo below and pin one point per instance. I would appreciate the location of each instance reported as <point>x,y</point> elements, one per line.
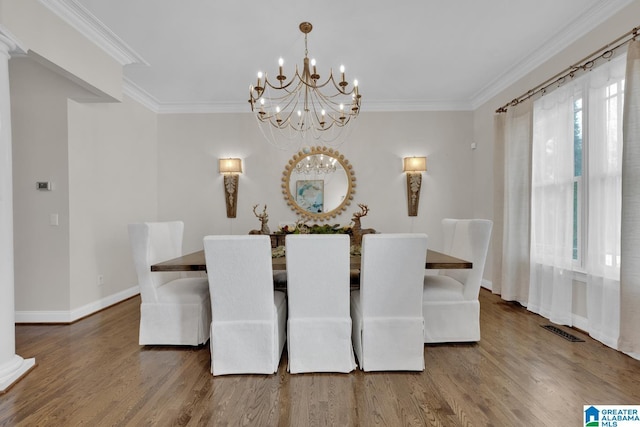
<point>306,50</point>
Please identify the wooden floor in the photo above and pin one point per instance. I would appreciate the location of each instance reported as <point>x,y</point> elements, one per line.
<point>94,373</point>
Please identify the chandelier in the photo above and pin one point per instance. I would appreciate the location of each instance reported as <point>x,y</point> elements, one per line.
<point>316,164</point>
<point>304,106</point>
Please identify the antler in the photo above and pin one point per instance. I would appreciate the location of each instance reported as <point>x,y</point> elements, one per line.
<point>364,211</point>
<point>263,214</point>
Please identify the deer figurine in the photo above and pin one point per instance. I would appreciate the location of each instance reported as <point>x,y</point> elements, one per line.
<point>264,218</point>
<point>357,229</point>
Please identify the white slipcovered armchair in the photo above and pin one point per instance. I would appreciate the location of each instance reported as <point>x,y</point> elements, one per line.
<point>450,299</point>
<point>318,283</point>
<point>249,317</point>
<point>175,310</point>
<point>388,328</point>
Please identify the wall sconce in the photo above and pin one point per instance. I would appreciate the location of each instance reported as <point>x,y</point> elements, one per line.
<point>230,168</point>
<point>413,167</point>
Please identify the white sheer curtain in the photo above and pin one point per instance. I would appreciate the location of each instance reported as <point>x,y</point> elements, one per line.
<point>612,221</point>
<point>604,153</point>
<point>629,340</point>
<point>550,289</point>
<point>512,185</point>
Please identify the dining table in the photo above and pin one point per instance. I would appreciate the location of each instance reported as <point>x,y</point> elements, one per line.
<point>195,261</point>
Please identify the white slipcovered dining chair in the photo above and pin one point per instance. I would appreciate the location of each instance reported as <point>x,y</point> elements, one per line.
<point>388,327</point>
<point>319,325</point>
<point>175,310</point>
<point>450,299</point>
<point>249,317</point>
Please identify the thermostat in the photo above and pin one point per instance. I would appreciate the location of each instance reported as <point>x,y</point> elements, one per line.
<point>44,186</point>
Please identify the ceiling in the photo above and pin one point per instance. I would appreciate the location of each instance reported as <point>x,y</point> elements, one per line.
<point>202,55</point>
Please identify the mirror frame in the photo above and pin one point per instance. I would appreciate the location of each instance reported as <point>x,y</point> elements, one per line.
<point>291,201</point>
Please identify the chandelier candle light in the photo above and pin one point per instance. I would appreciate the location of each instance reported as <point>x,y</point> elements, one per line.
<point>304,106</point>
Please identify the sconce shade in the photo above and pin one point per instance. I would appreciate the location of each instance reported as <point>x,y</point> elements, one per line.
<point>230,165</point>
<point>415,164</point>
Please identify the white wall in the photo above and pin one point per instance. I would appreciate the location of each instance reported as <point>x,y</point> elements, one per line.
<point>112,182</point>
<point>102,161</point>
<point>56,266</point>
<point>190,187</point>
<point>39,119</point>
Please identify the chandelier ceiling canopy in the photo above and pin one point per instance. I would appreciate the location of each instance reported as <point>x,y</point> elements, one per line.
<point>304,106</point>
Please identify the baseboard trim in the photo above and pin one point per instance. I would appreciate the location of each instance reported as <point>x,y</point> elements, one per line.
<point>63,316</point>
<point>487,284</point>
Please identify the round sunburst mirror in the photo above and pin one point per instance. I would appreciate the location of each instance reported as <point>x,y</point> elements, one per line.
<point>318,183</point>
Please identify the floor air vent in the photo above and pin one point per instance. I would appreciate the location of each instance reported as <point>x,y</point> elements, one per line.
<point>566,335</point>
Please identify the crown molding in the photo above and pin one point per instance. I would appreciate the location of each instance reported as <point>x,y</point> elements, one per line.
<point>398,105</point>
<point>76,15</point>
<point>203,107</point>
<point>550,47</point>
<point>138,94</point>
<point>370,106</point>
<point>143,97</point>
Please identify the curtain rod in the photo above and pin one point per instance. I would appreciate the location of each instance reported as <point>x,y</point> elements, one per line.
<point>586,63</point>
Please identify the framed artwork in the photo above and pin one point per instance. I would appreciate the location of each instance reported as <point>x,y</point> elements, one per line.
<point>310,195</point>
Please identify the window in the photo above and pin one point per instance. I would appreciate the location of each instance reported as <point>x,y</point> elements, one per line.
<point>577,179</point>
<point>577,172</point>
<point>605,171</point>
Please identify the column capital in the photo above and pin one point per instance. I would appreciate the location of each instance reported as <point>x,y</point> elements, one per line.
<point>9,43</point>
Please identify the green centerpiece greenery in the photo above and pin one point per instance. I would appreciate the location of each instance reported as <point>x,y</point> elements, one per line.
<point>302,228</point>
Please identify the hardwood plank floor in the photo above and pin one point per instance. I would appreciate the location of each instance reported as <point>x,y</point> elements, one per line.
<point>93,372</point>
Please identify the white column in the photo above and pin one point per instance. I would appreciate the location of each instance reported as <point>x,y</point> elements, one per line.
<point>12,366</point>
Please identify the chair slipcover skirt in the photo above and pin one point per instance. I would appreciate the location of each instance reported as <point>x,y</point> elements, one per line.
<point>175,310</point>
<point>388,327</point>
<point>249,317</point>
<point>450,303</point>
<point>318,283</point>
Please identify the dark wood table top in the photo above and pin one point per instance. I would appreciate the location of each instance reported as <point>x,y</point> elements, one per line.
<point>195,261</point>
